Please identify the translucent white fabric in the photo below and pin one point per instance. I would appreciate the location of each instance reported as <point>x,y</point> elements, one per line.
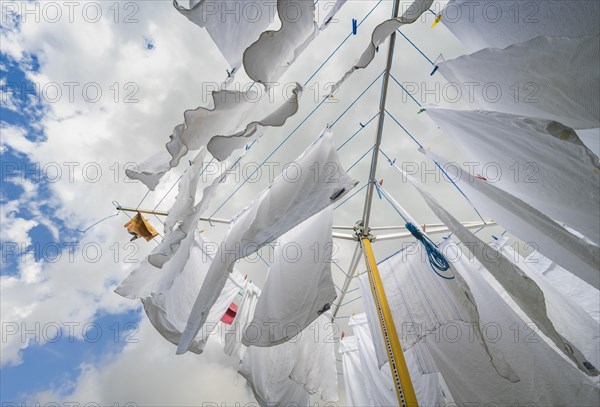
<point>373,320</point>
<point>569,319</point>
<point>233,335</point>
<point>299,285</point>
<point>545,377</point>
<point>523,290</point>
<point>232,24</point>
<point>567,283</point>
<point>498,24</point>
<point>539,161</point>
<point>357,391</point>
<point>528,224</point>
<point>425,304</point>
<point>168,312</point>
<point>156,273</point>
<point>274,51</point>
<point>378,381</point>
<point>382,32</point>
<point>285,374</point>
<point>555,78</point>
<point>314,182</point>
<point>235,115</point>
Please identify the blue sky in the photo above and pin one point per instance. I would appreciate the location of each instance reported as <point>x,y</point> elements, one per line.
<point>57,363</point>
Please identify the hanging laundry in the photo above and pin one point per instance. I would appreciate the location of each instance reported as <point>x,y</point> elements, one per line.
<point>138,226</point>
<point>333,11</point>
<point>287,373</point>
<point>357,392</point>
<point>156,273</point>
<point>556,78</point>
<point>567,283</point>
<point>381,33</point>
<point>426,380</point>
<point>301,191</point>
<point>423,304</point>
<point>522,289</point>
<point>539,161</point>
<point>545,377</point>
<point>569,319</point>
<point>168,311</point>
<point>499,24</point>
<point>299,285</point>
<point>373,320</point>
<point>232,25</point>
<point>528,224</point>
<point>186,193</point>
<point>243,316</point>
<point>221,147</point>
<point>231,112</point>
<point>274,51</point>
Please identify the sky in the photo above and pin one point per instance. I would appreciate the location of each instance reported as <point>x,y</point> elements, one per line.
<point>90,89</point>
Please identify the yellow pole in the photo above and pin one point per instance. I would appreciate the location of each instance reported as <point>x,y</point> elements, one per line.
<point>404,388</point>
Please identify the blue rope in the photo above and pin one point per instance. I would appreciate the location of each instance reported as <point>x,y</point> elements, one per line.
<point>436,164</point>
<point>351,196</point>
<point>269,156</point>
<point>342,43</point>
<point>357,98</point>
<point>360,159</point>
<point>437,261</point>
<point>405,91</point>
<point>417,48</point>
<point>358,131</point>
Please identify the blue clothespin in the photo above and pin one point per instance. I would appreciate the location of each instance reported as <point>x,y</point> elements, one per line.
<point>377,49</point>
<point>361,125</point>
<point>354,26</point>
<point>495,238</point>
<point>434,70</point>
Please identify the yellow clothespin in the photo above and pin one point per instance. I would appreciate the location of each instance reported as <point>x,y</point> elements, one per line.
<point>438,18</point>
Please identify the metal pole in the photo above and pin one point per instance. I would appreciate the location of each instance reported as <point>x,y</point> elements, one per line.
<point>404,388</point>
<point>349,277</point>
<point>158,213</point>
<point>373,171</point>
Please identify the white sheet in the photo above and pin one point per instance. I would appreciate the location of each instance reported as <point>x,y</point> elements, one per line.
<point>566,282</point>
<point>378,381</point>
<point>288,372</point>
<point>539,161</point>
<point>168,312</point>
<point>527,223</point>
<point>498,24</point>
<point>555,78</point>
<point>569,319</point>
<point>545,377</point>
<point>299,285</point>
<point>522,289</point>
<point>381,33</point>
<point>232,24</point>
<point>293,197</point>
<point>274,51</point>
<point>234,334</point>
<point>229,119</point>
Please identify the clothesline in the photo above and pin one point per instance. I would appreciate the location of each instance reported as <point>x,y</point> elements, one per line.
<point>436,164</point>
<point>259,166</point>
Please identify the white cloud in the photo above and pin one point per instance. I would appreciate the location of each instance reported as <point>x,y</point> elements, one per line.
<point>149,374</point>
